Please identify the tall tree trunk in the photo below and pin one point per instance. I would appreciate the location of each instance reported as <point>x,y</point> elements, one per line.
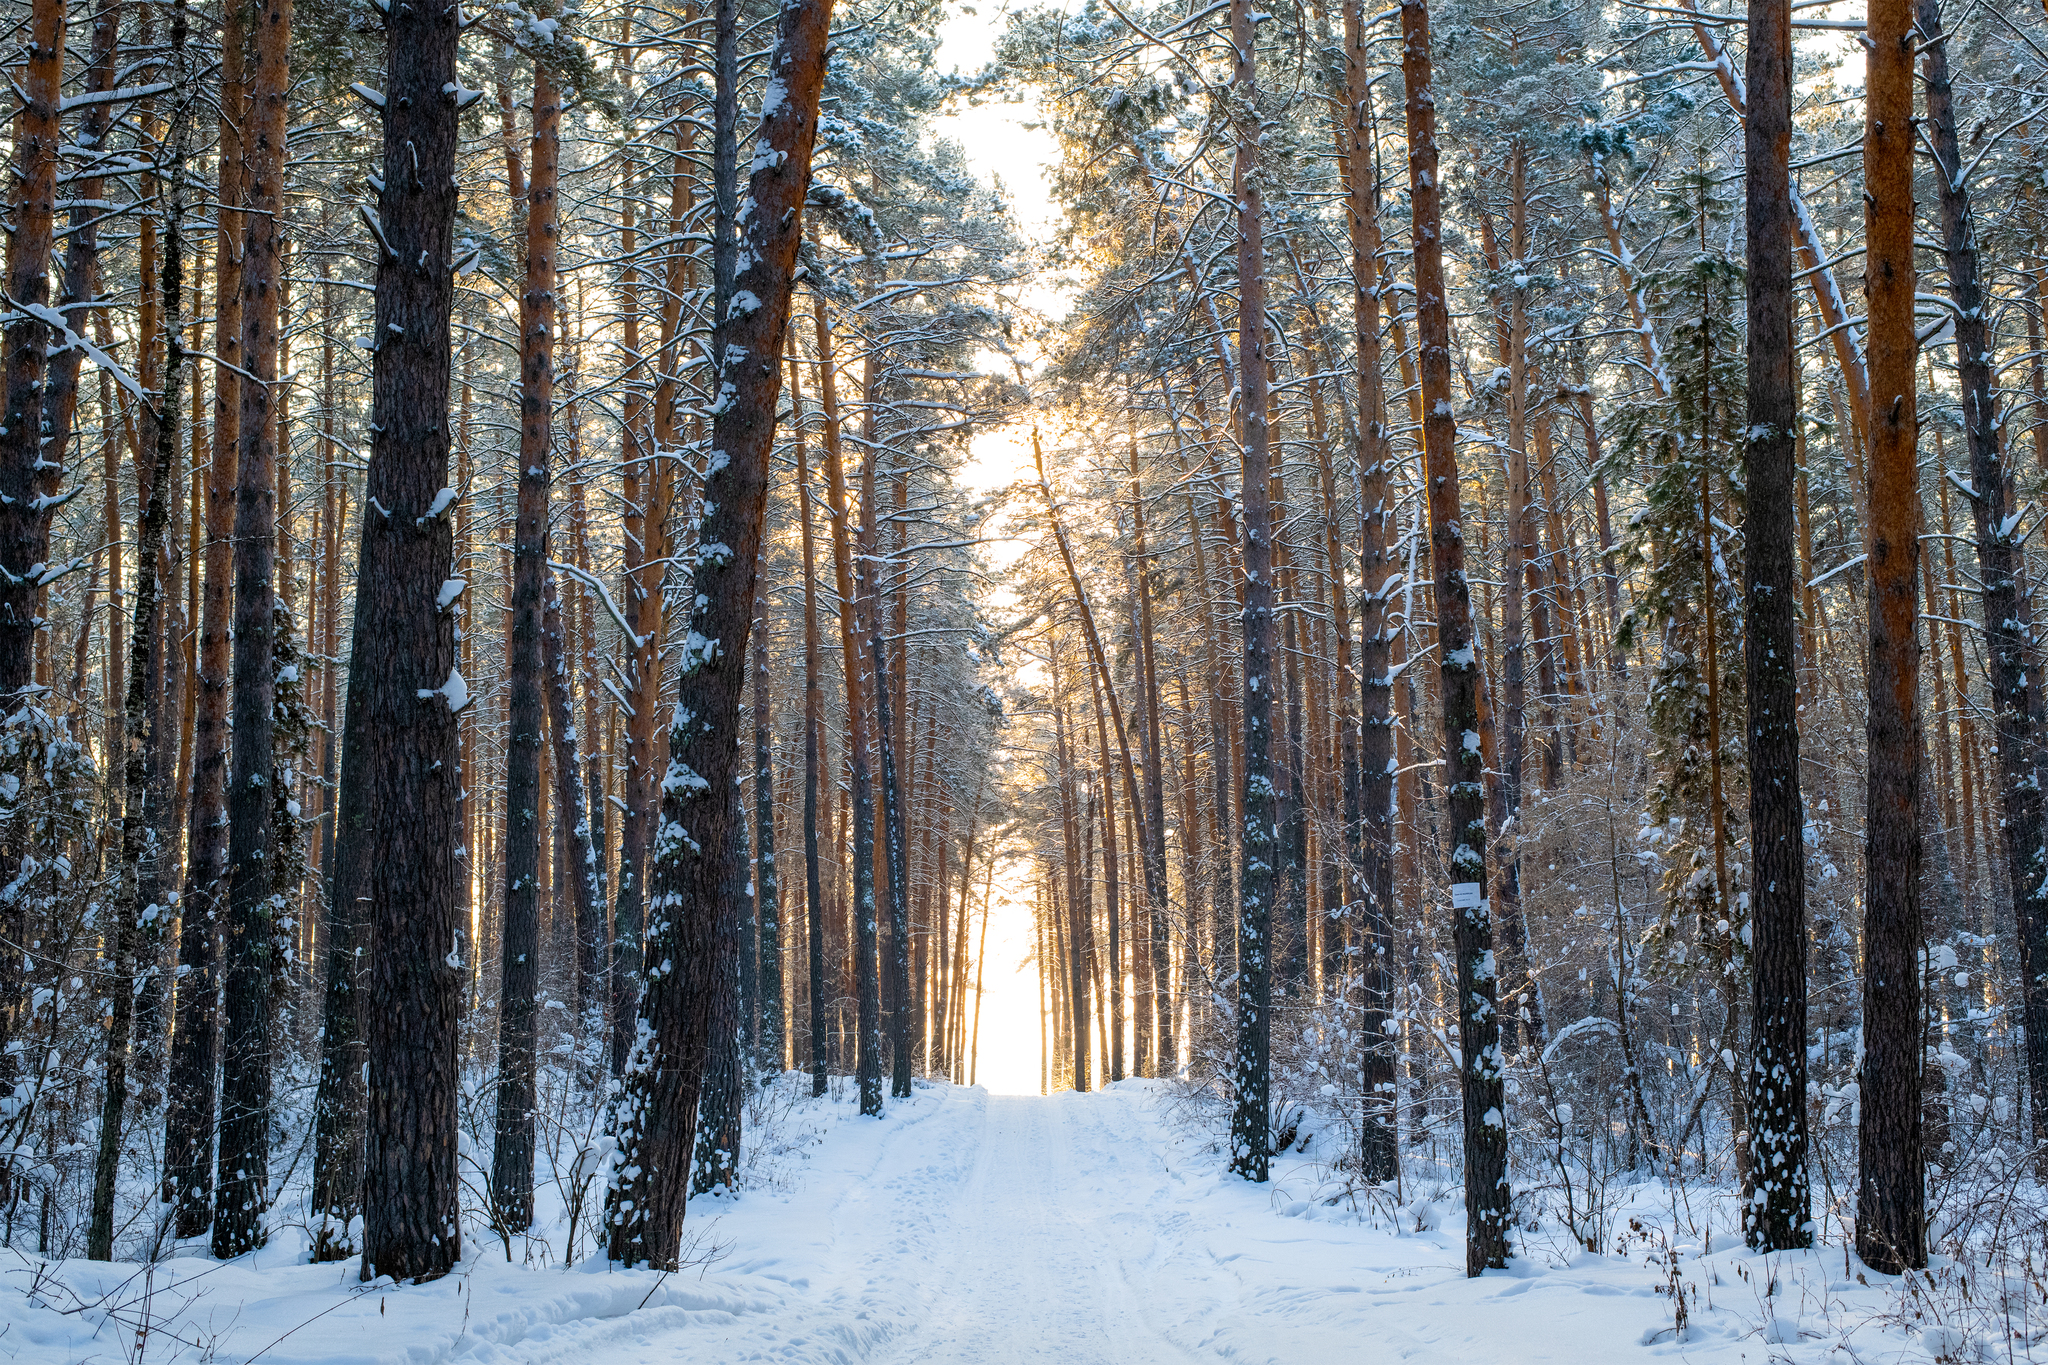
<point>241,1189</point>
<point>1518,561</point>
<point>1813,258</point>
<point>662,1081</point>
<point>768,1045</point>
<point>585,873</point>
<point>136,913</point>
<point>29,484</point>
<point>648,488</point>
<point>1778,1215</point>
<point>1251,1135</point>
<point>195,1044</point>
<point>1113,1037</point>
<point>814,727</point>
<point>1078,920</point>
<point>1368,770</point>
<point>1487,1197</point>
<point>866,982</point>
<point>1891,1227</point>
<point>897,987</point>
<point>519,970</point>
<point>148,845</point>
<point>1155,869</point>
<point>404,689</point>
<point>1157,935</point>
<point>716,1167</point>
<point>2015,698</point>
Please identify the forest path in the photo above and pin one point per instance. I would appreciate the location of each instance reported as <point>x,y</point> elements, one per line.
<point>1035,1250</point>
<point>977,1229</point>
<point>1094,1229</point>
<point>959,1228</point>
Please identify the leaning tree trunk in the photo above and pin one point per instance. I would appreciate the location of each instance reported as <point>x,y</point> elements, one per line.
<point>1778,1216</point>
<point>715,1168</point>
<point>1251,1121</point>
<point>251,939</point>
<point>663,1077</point>
<point>1487,1197</point>
<point>1098,658</point>
<point>400,746</point>
<point>1891,1227</point>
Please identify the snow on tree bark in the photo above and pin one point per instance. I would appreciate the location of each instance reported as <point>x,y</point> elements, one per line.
<point>519,970</point>
<point>658,1110</point>
<point>814,726</point>
<point>404,689</point>
<point>1368,769</point>
<point>2015,694</point>
<point>1251,1120</point>
<point>1487,1196</point>
<point>1777,1216</point>
<point>241,1187</point>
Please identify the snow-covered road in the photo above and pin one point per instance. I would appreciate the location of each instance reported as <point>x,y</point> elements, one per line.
<point>968,1229</point>
<point>1044,1250</point>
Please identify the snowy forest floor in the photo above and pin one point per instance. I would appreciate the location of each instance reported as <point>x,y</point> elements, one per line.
<point>1080,1229</point>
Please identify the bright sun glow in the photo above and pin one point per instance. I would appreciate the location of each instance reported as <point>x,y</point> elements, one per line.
<point>1005,145</point>
<point>1008,1056</point>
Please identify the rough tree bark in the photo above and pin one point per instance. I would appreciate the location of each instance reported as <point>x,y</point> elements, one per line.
<point>399,751</point>
<point>1368,776</point>
<point>1487,1197</point>
<point>1891,1229</point>
<point>250,939</point>
<point>147,845</point>
<point>1251,1120</point>
<point>519,969</point>
<point>767,885</point>
<point>814,726</point>
<point>867,983</point>
<point>195,1042</point>
<point>896,852</point>
<point>29,484</point>
<point>1777,1218</point>
<point>2015,698</point>
<point>658,1109</point>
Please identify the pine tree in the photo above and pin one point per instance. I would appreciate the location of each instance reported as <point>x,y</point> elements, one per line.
<point>1777,1218</point>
